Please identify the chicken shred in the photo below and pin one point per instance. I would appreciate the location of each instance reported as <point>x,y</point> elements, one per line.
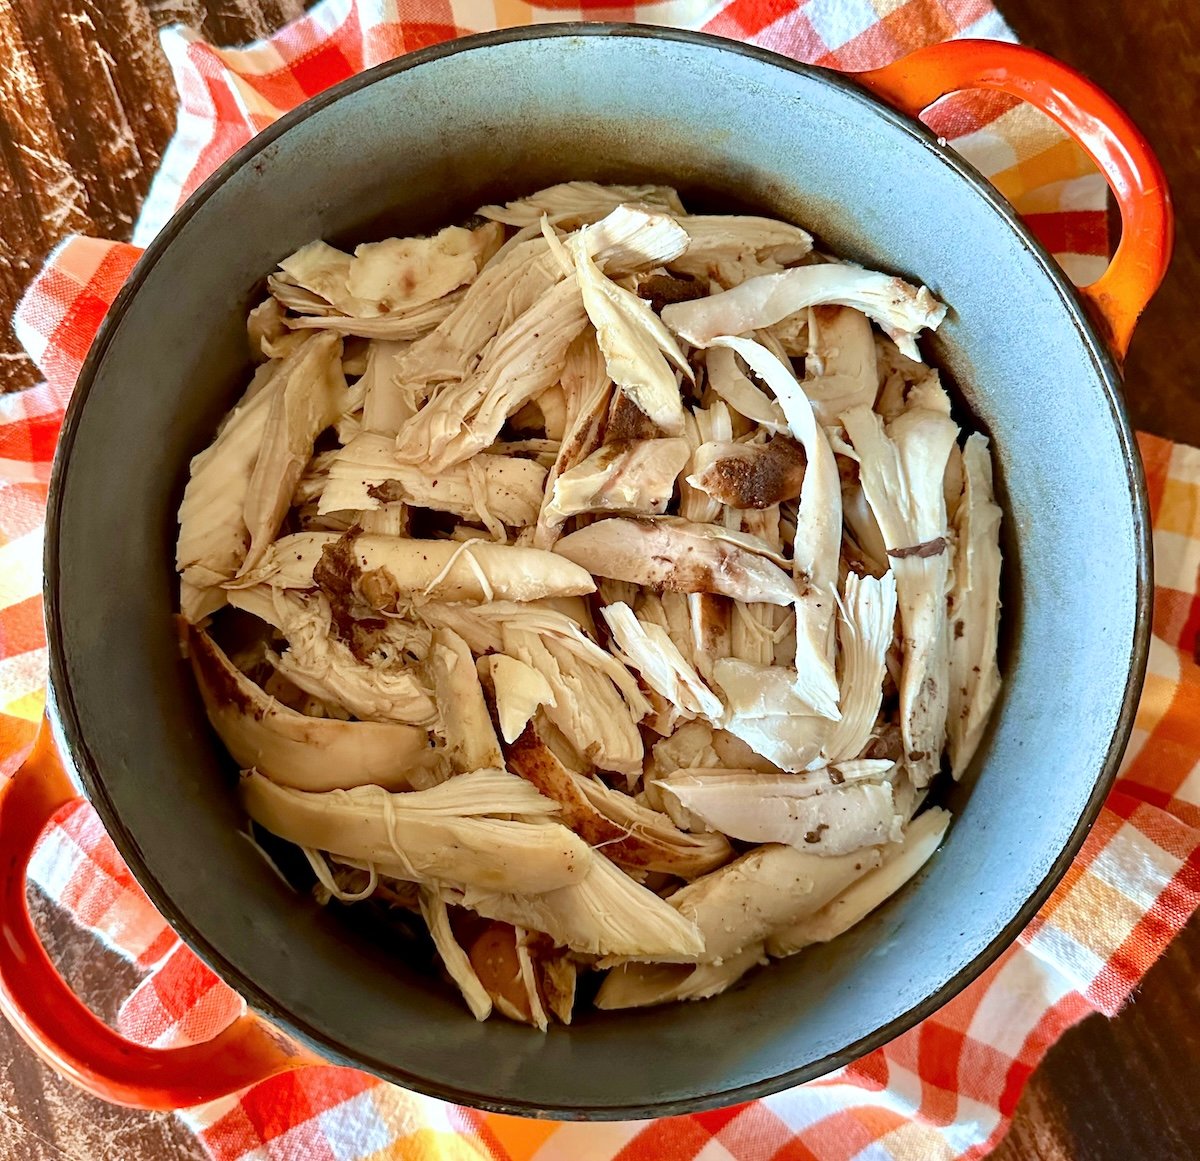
<point>638,477</point>
<point>602,583</point>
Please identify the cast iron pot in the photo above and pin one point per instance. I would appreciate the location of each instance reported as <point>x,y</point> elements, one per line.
<point>417,143</point>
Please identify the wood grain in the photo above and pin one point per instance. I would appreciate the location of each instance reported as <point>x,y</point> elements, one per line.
<point>1123,1089</point>
<point>1146,53</point>
<point>86,106</point>
<point>45,1118</point>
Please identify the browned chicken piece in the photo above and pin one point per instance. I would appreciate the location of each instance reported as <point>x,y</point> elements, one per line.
<point>749,475</point>
<point>496,961</point>
<point>710,619</point>
<point>627,421</point>
<point>660,290</point>
<point>712,424</point>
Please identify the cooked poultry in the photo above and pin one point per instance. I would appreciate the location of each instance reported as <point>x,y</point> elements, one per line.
<point>604,584</point>
<point>387,569</point>
<point>902,468</point>
<point>676,555</point>
<point>638,350</point>
<point>767,889</point>
<point>632,835</point>
<point>487,828</point>
<point>817,538</point>
<point>729,248</point>
<point>637,477</point>
<point>365,475</point>
<point>840,369</point>
<point>728,381</point>
<point>465,723</point>
<point>899,309</point>
<point>517,690</point>
<point>974,607</point>
<point>579,203</point>
<point>296,749</point>
<point>749,475</point>
<point>833,819</point>
<point>393,275</point>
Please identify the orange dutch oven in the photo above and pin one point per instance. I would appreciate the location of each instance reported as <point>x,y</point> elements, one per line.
<point>418,142</point>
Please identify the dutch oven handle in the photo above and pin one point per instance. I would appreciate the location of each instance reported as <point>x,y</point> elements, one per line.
<point>1094,120</point>
<point>55,1023</point>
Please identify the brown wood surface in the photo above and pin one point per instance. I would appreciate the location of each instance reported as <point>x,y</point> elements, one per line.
<point>86,106</point>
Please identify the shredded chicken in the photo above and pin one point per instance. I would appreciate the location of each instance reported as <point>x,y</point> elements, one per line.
<point>769,888</point>
<point>867,615</point>
<point>705,427</point>
<point>728,381</point>
<point>679,556</point>
<point>902,468</point>
<point>974,607</point>
<point>818,532</point>
<point>517,690</point>
<point>830,820</point>
<point>632,835</point>
<point>295,749</point>
<point>749,475</point>
<point>898,862</point>
<point>365,475</point>
<point>578,203</point>
<point>638,477</point>
<point>464,719</point>
<point>388,569</point>
<point>437,918</point>
<point>487,828</point>
<point>587,390</point>
<point>765,711</point>
<point>649,649</point>
<point>463,418</point>
<point>728,249</point>
<point>638,350</point>
<point>899,309</point>
<point>603,584</point>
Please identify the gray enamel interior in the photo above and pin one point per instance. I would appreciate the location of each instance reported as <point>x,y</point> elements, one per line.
<point>416,148</point>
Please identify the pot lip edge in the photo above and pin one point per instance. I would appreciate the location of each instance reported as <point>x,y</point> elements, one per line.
<point>65,718</point>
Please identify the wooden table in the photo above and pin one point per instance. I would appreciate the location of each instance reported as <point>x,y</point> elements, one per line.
<point>86,105</point>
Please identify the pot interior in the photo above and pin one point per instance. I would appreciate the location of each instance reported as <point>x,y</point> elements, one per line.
<point>418,145</point>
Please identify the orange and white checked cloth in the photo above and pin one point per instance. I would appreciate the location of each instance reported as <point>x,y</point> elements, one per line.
<point>945,1089</point>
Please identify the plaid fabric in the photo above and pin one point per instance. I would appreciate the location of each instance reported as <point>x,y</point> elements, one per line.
<point>947,1088</point>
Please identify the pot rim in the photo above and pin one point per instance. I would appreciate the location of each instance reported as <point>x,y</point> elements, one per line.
<point>61,703</point>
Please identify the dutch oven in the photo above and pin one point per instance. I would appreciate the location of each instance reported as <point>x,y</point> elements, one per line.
<point>415,144</point>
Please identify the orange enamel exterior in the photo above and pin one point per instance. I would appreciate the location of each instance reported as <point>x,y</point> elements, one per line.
<point>1095,121</point>
<point>59,1028</point>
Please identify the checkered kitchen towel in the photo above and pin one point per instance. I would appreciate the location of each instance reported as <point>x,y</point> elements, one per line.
<point>946,1088</point>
